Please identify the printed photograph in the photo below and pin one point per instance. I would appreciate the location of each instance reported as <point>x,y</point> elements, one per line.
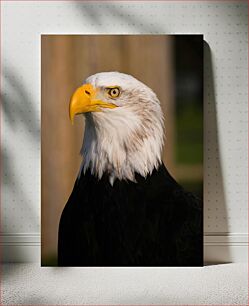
<point>122,150</point>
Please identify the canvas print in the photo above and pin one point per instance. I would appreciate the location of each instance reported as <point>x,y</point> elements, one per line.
<point>122,126</point>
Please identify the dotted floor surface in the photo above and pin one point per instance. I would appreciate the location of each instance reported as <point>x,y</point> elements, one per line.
<point>29,284</point>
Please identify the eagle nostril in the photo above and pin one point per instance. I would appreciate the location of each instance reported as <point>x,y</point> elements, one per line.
<point>87,92</point>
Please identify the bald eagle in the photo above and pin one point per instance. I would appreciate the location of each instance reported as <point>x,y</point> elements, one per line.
<point>125,208</point>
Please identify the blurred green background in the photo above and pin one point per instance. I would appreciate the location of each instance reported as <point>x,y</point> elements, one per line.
<point>188,63</point>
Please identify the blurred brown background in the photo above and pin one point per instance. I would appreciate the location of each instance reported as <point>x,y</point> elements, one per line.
<point>66,61</point>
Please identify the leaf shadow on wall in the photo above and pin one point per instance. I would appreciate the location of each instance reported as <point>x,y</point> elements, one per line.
<point>124,18</point>
<point>19,116</point>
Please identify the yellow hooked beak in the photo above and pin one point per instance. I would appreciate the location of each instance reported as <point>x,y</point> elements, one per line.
<point>84,101</point>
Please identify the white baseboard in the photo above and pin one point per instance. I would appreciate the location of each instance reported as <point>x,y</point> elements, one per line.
<point>225,247</point>
<point>218,247</point>
<point>20,247</point>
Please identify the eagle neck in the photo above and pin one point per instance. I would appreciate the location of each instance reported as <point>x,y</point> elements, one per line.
<point>118,144</point>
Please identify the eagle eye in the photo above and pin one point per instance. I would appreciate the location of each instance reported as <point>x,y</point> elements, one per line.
<point>113,92</point>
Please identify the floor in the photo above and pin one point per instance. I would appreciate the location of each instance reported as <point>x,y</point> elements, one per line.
<point>30,284</point>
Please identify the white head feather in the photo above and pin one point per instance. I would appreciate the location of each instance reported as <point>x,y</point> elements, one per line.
<point>127,139</point>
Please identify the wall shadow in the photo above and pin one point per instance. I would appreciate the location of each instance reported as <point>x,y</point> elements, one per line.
<point>215,210</point>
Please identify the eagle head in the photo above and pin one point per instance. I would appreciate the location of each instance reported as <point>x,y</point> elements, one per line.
<point>123,126</point>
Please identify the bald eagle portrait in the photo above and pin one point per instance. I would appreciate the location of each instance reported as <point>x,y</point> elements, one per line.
<point>125,208</point>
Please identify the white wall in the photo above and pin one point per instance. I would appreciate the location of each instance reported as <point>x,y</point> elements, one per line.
<point>224,25</point>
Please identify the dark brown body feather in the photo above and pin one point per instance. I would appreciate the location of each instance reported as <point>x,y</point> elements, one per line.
<point>153,222</point>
